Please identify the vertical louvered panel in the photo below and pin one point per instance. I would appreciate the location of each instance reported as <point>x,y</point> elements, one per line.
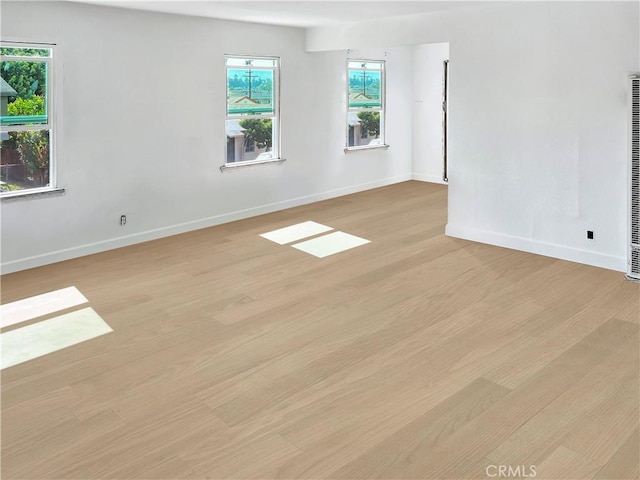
<point>634,198</point>
<point>635,263</point>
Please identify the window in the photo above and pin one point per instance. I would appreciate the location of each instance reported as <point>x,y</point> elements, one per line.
<point>26,118</point>
<point>252,109</point>
<point>366,96</point>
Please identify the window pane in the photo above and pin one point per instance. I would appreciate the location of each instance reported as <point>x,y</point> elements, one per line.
<point>363,129</point>
<point>249,139</point>
<point>25,160</point>
<point>250,91</point>
<point>26,52</point>
<point>364,88</point>
<point>365,64</point>
<point>254,62</point>
<point>23,90</point>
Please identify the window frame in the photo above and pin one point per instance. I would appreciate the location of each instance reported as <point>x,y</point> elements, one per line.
<point>52,108</point>
<point>382,109</point>
<point>276,146</point>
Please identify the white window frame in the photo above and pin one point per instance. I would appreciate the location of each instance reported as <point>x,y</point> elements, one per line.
<point>275,116</point>
<point>382,109</point>
<point>52,107</point>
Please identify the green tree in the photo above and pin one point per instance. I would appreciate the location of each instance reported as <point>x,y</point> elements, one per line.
<point>27,106</point>
<point>370,121</point>
<point>34,154</point>
<point>26,78</point>
<point>259,130</point>
<point>25,52</point>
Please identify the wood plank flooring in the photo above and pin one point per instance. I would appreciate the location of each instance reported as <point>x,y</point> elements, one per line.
<point>415,356</point>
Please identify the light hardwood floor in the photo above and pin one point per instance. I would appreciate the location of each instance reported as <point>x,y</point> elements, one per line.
<point>415,356</point>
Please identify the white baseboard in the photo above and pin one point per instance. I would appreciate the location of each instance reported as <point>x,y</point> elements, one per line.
<point>547,249</point>
<point>422,177</point>
<point>110,244</point>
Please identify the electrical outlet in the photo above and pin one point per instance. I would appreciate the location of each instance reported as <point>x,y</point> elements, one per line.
<point>590,234</point>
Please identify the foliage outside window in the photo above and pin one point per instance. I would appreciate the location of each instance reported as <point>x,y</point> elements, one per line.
<point>366,97</point>
<point>252,109</point>
<point>26,117</point>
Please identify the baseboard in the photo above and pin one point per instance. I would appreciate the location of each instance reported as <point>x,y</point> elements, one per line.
<point>102,246</point>
<point>541,248</point>
<point>422,177</point>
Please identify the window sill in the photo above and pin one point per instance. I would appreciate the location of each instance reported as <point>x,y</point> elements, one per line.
<point>366,147</point>
<point>31,194</point>
<point>251,163</point>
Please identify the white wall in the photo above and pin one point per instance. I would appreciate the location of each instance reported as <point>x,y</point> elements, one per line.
<point>428,84</point>
<point>537,119</point>
<point>143,129</point>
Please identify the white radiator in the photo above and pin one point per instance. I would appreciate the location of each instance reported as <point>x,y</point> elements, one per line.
<point>633,269</point>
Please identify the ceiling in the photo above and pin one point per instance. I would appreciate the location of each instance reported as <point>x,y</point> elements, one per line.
<point>294,13</point>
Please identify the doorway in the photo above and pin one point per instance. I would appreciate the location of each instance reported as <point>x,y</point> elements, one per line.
<point>430,160</point>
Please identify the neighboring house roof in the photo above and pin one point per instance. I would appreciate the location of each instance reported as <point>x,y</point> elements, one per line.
<point>353,119</point>
<point>6,90</point>
<point>246,100</point>
<point>361,95</point>
<point>234,129</point>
